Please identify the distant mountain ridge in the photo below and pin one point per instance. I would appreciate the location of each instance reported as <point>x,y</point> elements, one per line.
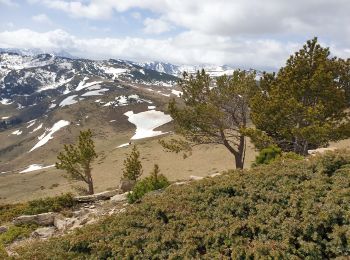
<point>162,67</point>
<point>28,78</point>
<point>35,51</point>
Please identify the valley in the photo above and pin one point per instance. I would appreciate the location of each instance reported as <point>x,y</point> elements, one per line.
<point>47,100</point>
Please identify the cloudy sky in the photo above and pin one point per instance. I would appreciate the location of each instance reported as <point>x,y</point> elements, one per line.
<point>243,33</point>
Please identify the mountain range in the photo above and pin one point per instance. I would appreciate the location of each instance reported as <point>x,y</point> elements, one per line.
<point>47,99</point>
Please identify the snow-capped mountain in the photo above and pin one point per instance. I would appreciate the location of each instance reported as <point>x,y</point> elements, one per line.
<point>33,52</point>
<point>177,70</point>
<point>26,79</point>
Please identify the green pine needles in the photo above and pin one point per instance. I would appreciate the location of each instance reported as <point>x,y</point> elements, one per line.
<point>132,165</point>
<point>76,159</point>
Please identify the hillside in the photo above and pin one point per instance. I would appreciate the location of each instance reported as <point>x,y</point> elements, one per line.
<point>289,209</point>
<point>47,99</point>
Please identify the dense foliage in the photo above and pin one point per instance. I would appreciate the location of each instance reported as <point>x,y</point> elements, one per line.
<point>153,182</point>
<point>132,165</point>
<point>285,210</point>
<point>305,105</point>
<point>76,159</point>
<point>213,112</point>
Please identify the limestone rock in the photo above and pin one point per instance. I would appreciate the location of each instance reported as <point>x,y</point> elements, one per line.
<point>120,197</point>
<point>97,196</point>
<point>44,232</point>
<point>126,185</point>
<point>196,178</point>
<point>44,219</point>
<point>321,150</point>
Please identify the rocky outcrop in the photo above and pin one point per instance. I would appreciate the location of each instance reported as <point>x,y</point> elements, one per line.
<point>44,219</point>
<point>126,185</point>
<point>120,198</point>
<point>97,196</point>
<point>44,232</point>
<point>321,150</point>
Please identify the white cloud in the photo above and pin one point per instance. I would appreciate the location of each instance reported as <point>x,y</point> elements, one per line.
<point>136,15</point>
<point>185,48</point>
<point>222,16</point>
<point>41,18</point>
<point>8,3</point>
<point>155,26</point>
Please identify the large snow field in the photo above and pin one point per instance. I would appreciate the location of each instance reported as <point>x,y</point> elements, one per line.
<point>146,122</point>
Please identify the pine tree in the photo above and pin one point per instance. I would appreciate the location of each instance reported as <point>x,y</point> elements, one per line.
<point>214,112</point>
<point>132,165</point>
<point>77,159</point>
<point>305,104</point>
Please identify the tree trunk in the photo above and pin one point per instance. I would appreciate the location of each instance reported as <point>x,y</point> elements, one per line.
<point>89,181</point>
<point>240,155</point>
<point>91,187</point>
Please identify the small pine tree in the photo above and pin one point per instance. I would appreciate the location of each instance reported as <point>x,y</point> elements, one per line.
<point>132,165</point>
<point>77,159</point>
<point>155,181</point>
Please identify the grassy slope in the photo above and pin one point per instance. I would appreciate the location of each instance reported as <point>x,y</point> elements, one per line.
<point>287,209</point>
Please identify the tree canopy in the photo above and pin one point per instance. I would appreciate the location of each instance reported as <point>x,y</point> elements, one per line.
<point>76,159</point>
<point>213,112</point>
<point>305,104</point>
<point>132,165</point>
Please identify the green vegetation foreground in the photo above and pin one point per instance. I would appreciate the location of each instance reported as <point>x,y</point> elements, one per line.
<point>289,209</point>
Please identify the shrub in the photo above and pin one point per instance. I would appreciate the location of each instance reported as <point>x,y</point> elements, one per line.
<point>3,253</point>
<point>154,182</point>
<point>284,210</point>
<point>132,165</point>
<point>329,162</point>
<point>56,204</point>
<point>16,232</point>
<point>267,155</point>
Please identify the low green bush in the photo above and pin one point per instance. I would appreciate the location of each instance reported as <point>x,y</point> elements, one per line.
<point>154,182</point>
<point>267,155</point>
<point>56,204</point>
<point>16,232</point>
<point>285,210</point>
<point>3,253</point>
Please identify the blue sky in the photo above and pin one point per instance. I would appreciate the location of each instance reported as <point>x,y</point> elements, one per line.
<point>243,33</point>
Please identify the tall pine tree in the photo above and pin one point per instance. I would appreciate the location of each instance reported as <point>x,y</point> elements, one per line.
<point>305,104</point>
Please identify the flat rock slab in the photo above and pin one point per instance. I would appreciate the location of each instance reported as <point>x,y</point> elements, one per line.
<point>97,196</point>
<point>44,219</point>
<point>44,232</point>
<point>120,197</point>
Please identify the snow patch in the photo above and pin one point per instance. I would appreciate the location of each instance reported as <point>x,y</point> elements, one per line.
<point>37,128</point>
<point>123,145</point>
<point>98,92</point>
<point>146,122</point>
<point>68,101</point>
<point>46,137</point>
<point>36,167</point>
<point>83,84</point>
<point>17,132</point>
<point>6,101</point>
<point>31,123</point>
<point>176,92</point>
